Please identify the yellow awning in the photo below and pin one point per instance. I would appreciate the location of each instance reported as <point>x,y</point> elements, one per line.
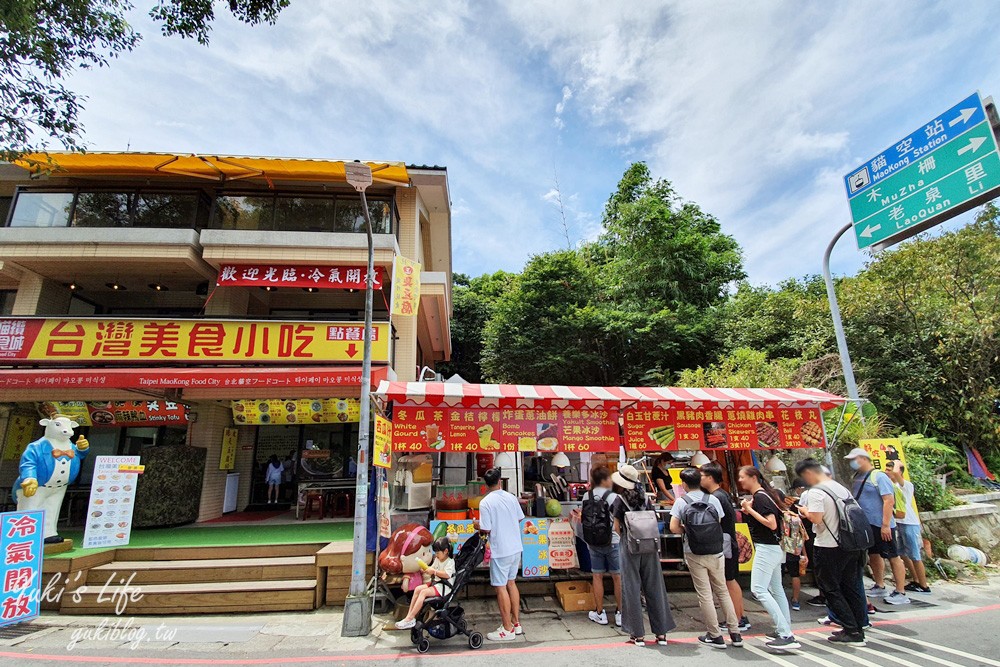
<point>220,168</point>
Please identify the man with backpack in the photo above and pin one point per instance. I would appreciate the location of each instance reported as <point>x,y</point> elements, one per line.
<point>602,542</point>
<point>842,536</point>
<point>698,516</point>
<point>876,494</point>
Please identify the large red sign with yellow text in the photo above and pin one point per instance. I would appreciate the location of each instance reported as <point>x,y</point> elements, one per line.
<point>69,340</point>
<point>668,429</point>
<point>429,429</point>
<point>305,276</point>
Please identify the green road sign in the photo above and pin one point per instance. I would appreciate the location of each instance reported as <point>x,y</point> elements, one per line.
<point>946,167</point>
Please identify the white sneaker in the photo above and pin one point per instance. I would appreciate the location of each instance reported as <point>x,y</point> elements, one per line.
<point>600,619</point>
<point>405,625</point>
<point>896,598</point>
<point>618,619</point>
<point>876,592</point>
<point>501,635</point>
<point>518,630</point>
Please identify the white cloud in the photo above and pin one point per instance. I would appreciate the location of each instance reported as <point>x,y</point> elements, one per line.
<point>752,110</point>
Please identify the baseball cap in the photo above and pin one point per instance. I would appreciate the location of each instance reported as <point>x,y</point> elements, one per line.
<point>856,452</point>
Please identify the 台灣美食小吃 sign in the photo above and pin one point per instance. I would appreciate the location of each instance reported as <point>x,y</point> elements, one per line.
<point>945,167</point>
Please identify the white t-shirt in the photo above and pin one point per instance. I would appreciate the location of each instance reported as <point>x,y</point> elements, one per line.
<point>691,497</point>
<point>911,518</point>
<point>818,500</point>
<point>500,514</point>
<point>447,566</point>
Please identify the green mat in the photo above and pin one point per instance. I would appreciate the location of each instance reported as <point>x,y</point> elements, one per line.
<point>221,536</point>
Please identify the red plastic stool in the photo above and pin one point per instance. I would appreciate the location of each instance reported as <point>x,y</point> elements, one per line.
<point>314,505</point>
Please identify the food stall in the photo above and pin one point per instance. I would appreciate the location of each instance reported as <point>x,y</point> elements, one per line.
<point>546,439</point>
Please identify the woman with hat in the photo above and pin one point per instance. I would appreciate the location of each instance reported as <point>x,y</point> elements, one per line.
<point>641,573</point>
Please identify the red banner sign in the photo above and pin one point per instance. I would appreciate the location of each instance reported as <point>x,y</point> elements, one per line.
<point>427,429</point>
<point>187,378</point>
<point>281,275</point>
<point>670,429</point>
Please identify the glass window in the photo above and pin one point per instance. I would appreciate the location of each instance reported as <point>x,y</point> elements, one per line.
<point>304,214</point>
<point>7,301</point>
<point>103,209</point>
<point>350,218</point>
<point>164,210</point>
<point>5,203</point>
<point>244,212</point>
<point>42,209</point>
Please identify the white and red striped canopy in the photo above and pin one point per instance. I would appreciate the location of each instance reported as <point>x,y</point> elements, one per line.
<point>558,396</point>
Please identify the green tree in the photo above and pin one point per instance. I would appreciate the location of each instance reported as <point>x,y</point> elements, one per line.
<point>923,322</point>
<point>473,300</point>
<point>42,42</point>
<point>661,252</point>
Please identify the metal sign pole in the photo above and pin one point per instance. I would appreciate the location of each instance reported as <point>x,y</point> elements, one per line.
<point>357,606</point>
<point>838,325</point>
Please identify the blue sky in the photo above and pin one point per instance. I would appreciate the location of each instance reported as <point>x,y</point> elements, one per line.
<point>753,110</point>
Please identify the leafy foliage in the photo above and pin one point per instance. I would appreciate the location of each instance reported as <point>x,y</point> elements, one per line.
<point>473,300</point>
<point>925,459</point>
<point>632,308</point>
<point>42,42</point>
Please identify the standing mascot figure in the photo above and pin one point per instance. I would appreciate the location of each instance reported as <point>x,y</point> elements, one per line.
<point>48,466</point>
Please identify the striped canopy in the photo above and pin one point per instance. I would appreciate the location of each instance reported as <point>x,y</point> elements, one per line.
<point>559,396</point>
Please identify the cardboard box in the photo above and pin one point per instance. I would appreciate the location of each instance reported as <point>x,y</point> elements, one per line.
<point>575,595</point>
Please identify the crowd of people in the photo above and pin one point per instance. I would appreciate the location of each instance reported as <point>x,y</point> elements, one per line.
<point>822,524</point>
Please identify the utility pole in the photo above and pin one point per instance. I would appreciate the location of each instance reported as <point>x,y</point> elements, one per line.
<point>838,329</point>
<point>358,606</point>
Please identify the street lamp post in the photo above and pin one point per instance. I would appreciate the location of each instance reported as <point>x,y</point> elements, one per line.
<point>357,607</point>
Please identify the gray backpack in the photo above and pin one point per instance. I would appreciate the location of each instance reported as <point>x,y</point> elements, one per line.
<point>642,532</point>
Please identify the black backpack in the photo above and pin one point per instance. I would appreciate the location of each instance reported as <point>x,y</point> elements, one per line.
<point>702,528</point>
<point>855,533</point>
<point>596,520</point>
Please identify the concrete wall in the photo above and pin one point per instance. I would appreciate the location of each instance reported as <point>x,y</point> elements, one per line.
<point>976,524</point>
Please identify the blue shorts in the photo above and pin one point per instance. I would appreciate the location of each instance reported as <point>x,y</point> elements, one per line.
<point>911,542</point>
<point>504,569</point>
<point>605,559</point>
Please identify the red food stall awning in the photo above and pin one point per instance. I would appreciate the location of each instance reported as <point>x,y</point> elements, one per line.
<point>278,379</point>
<point>557,396</point>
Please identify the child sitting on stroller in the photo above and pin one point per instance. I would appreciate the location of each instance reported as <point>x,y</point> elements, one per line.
<point>443,568</point>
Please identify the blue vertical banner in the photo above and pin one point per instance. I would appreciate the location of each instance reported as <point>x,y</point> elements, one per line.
<point>535,540</point>
<point>21,543</point>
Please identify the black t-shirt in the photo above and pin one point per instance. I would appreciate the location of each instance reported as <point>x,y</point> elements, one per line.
<point>764,505</point>
<point>661,474</point>
<point>620,507</point>
<point>728,512</point>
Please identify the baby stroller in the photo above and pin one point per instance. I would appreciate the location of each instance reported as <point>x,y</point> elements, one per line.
<point>442,617</point>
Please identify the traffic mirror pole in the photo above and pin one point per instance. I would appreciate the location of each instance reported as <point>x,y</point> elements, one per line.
<point>838,329</point>
<point>358,606</point>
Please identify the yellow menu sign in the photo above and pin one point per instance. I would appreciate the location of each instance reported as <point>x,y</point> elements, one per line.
<point>382,456</point>
<point>285,411</point>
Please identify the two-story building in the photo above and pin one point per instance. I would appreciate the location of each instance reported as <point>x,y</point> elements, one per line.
<point>214,301</point>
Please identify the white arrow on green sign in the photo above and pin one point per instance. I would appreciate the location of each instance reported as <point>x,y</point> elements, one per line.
<point>948,166</point>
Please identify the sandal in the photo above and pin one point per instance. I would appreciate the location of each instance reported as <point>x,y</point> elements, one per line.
<point>638,641</point>
<point>661,640</point>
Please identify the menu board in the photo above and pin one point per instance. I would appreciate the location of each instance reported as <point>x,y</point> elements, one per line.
<point>535,540</point>
<point>562,546</point>
<point>284,411</point>
<point>427,429</point>
<point>670,429</point>
<point>112,498</point>
<point>155,412</point>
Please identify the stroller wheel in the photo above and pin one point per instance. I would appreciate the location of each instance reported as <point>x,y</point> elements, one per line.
<point>424,645</point>
<point>475,640</point>
<point>416,636</point>
<point>462,625</point>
